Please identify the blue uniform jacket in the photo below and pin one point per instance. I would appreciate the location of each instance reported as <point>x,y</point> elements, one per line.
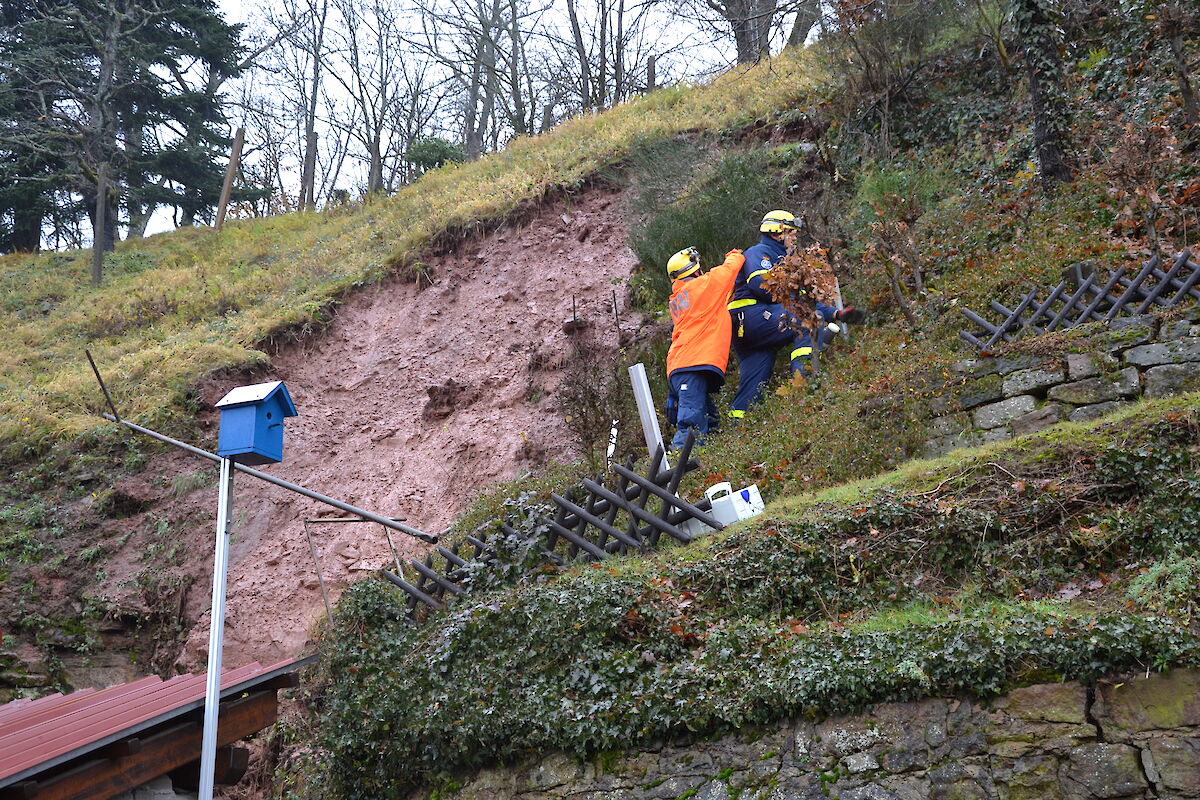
<point>759,260</point>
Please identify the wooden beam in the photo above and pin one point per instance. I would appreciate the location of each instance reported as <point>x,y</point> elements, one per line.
<point>230,766</point>
<point>161,752</point>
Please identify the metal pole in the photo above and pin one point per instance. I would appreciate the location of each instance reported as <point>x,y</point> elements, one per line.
<point>312,549</point>
<point>230,173</point>
<point>309,493</point>
<point>645,405</point>
<point>216,633</point>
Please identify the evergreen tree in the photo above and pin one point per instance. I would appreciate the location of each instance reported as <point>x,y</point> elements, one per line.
<point>107,86</point>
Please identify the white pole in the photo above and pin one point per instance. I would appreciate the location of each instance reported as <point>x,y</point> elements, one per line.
<point>837,285</point>
<point>612,444</point>
<point>645,405</point>
<point>216,634</point>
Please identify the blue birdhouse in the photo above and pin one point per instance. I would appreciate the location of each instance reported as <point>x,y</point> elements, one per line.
<point>252,423</point>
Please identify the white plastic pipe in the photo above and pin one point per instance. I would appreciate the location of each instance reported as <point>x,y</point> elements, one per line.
<point>216,634</point>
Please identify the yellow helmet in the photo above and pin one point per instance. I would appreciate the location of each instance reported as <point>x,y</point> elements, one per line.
<point>778,221</point>
<point>683,263</point>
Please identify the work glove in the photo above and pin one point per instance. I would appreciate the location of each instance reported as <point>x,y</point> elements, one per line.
<point>850,315</point>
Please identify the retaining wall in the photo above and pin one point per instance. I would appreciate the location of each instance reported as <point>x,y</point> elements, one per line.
<point>1138,738</point>
<point>992,399</point>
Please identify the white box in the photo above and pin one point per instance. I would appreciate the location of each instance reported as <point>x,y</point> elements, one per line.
<point>728,506</point>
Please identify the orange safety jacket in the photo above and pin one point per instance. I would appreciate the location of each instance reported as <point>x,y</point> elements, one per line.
<point>703,326</point>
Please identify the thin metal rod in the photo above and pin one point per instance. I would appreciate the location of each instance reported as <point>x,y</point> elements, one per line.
<point>392,546</point>
<point>312,549</point>
<point>320,498</point>
<point>108,397</point>
<point>216,633</point>
<point>316,520</point>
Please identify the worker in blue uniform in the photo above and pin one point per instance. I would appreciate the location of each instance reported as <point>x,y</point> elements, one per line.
<point>760,325</point>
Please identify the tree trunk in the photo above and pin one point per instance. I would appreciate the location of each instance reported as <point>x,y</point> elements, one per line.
<point>1047,94</point>
<point>585,67</point>
<point>619,55</point>
<point>308,181</point>
<point>26,234</point>
<point>518,120</point>
<point>806,17</point>
<point>1186,93</point>
<point>375,167</point>
<point>602,46</point>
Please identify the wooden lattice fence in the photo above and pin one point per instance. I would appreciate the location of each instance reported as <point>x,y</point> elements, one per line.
<point>1088,298</point>
<point>594,521</point>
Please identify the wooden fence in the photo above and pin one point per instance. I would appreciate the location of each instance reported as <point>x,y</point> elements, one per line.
<point>1085,298</point>
<point>593,521</point>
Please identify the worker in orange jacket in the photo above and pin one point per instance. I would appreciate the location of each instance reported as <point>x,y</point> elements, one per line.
<point>699,341</point>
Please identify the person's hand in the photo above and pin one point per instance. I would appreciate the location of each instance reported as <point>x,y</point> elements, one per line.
<point>850,315</point>
<point>733,251</point>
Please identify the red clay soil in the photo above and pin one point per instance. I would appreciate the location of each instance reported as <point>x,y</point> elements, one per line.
<point>411,402</point>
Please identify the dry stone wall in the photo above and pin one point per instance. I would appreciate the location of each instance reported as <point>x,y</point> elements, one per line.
<point>1138,738</point>
<point>993,399</point>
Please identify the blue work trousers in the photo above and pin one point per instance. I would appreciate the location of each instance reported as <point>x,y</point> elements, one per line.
<point>690,404</point>
<point>763,329</point>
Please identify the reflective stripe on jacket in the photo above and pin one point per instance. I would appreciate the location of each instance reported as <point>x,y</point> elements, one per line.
<point>702,327</point>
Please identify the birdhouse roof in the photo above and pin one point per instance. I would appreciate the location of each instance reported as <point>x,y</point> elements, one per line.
<point>259,393</point>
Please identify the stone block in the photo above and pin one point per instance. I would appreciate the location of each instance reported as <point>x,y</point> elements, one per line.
<point>1100,771</point>
<point>1001,434</point>
<point>968,394</point>
<point>1140,321</point>
<point>1038,419</point>
<point>1049,702</point>
<point>1095,411</point>
<point>950,425</point>
<point>1173,352</point>
<point>1123,333</point>
<point>871,791</point>
<point>1087,365</point>
<point>1176,761</point>
<point>860,762</point>
<point>1175,329</point>
<point>974,367</point>
<point>965,779</point>
<point>554,770</point>
<point>1024,381</point>
<point>1099,389</point>
<point>714,790</point>
<point>1009,364</point>
<point>942,445</point>
<point>1158,703</point>
<point>997,414</point>
<point>1032,778</point>
<point>1172,379</point>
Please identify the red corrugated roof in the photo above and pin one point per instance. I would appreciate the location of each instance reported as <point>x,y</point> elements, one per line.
<point>52,728</point>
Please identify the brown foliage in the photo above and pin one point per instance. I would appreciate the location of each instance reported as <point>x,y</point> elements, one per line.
<point>1137,173</point>
<point>801,279</point>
